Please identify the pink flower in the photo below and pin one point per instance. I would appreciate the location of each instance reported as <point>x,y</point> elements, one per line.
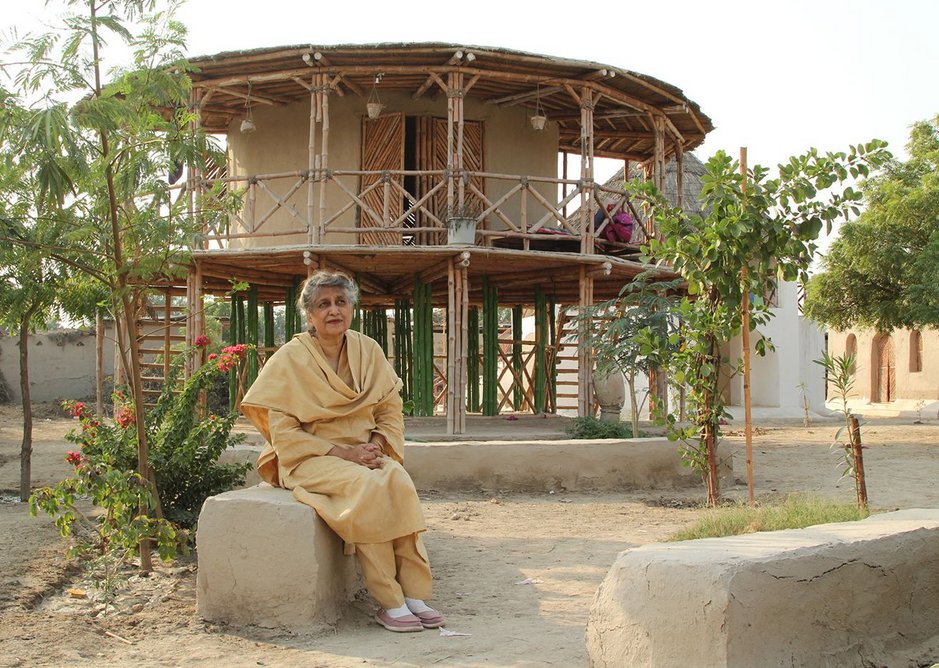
<point>73,458</point>
<point>212,356</point>
<point>78,409</point>
<point>125,417</point>
<point>202,341</point>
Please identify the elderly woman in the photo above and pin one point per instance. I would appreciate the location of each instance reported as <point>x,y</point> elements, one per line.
<point>328,405</point>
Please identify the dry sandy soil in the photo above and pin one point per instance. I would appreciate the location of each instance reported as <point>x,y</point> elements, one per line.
<point>483,547</point>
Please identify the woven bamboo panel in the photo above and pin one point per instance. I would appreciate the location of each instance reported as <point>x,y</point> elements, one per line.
<point>382,148</point>
<point>473,161</point>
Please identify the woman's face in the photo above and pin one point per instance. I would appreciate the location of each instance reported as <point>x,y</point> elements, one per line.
<point>331,313</point>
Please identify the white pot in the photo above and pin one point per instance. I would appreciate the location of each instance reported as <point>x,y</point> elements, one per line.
<point>461,231</point>
<point>374,109</point>
<point>611,395</point>
<point>538,121</point>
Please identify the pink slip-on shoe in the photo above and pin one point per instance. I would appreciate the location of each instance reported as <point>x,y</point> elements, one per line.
<point>431,619</point>
<point>405,624</point>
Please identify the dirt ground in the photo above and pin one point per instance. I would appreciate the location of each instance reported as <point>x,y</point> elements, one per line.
<point>517,572</point>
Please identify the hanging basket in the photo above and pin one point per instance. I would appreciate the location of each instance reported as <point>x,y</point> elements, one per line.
<point>374,109</point>
<point>461,231</point>
<point>538,121</point>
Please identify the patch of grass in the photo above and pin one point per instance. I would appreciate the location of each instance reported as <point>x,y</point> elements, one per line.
<point>591,427</point>
<point>796,512</point>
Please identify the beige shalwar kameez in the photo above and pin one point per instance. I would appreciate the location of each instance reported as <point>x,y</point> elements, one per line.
<point>303,409</point>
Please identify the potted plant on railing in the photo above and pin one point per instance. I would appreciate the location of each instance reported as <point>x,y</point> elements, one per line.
<point>461,224</point>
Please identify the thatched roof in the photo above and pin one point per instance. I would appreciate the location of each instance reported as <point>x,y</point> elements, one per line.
<point>694,170</point>
<point>626,101</point>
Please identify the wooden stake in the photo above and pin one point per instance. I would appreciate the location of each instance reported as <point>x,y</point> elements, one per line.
<point>745,333</point>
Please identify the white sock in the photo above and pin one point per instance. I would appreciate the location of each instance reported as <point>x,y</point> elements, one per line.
<point>416,605</point>
<point>398,612</point>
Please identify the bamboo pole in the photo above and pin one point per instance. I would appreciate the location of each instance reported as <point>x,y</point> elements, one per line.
<point>452,298</point>
<point>541,333</point>
<point>462,309</point>
<point>472,360</point>
<point>745,334</point>
<point>324,156</point>
<point>311,164</point>
<point>451,121</point>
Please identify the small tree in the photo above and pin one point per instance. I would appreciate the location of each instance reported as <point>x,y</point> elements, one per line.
<point>120,140</point>
<point>624,325</point>
<point>750,221</point>
<point>840,372</point>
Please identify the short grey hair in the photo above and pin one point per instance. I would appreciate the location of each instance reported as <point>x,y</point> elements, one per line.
<point>325,279</point>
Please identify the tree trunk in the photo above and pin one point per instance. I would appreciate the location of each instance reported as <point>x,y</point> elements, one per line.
<point>26,447</point>
<point>711,426</point>
<point>633,404</point>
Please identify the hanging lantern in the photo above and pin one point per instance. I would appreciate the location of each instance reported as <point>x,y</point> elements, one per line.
<point>373,105</point>
<point>247,124</point>
<point>538,119</point>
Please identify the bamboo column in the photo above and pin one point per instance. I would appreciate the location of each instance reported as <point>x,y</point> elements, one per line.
<point>451,149</point>
<point>518,392</point>
<point>587,204</point>
<point>311,222</point>
<point>584,358</point>
<point>458,163</point>
<point>490,348</point>
<point>745,334</point>
<point>456,348</point>
<point>461,307</point>
<point>658,156</point>
<point>472,360</point>
<point>251,335</point>
<point>167,332</point>
<point>541,381</point>
<point>323,118</point>
<point>198,295</point>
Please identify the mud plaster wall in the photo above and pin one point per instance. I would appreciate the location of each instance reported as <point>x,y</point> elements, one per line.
<point>61,364</point>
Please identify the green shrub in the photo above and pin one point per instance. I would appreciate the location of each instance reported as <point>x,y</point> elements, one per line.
<point>185,442</point>
<point>591,427</point>
<point>796,512</point>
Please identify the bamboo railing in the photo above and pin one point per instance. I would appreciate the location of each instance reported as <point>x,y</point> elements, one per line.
<point>385,212</point>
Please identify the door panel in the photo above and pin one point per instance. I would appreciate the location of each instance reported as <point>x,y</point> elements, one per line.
<point>382,148</point>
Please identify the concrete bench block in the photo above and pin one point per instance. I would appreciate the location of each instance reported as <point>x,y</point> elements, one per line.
<point>848,594</point>
<point>573,465</point>
<point>268,560</point>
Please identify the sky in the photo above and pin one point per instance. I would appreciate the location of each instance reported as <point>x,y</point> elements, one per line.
<point>776,77</point>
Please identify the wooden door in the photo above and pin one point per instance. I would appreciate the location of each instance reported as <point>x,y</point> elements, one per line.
<point>382,148</point>
<point>885,363</point>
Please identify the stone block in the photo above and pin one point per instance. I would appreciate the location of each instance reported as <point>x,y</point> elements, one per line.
<point>268,560</point>
<point>848,594</point>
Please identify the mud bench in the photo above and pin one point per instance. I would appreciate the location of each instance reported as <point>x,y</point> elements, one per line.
<point>266,559</point>
<point>847,594</point>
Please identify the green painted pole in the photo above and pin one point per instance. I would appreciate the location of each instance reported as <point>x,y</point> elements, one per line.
<point>541,333</point>
<point>268,325</point>
<point>472,360</point>
<point>251,335</point>
<point>490,348</point>
<point>552,329</point>
<point>233,329</point>
<point>518,393</point>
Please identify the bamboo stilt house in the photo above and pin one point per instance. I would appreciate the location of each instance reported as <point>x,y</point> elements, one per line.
<point>361,157</point>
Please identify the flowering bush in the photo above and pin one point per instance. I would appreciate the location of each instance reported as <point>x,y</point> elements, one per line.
<point>185,443</point>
